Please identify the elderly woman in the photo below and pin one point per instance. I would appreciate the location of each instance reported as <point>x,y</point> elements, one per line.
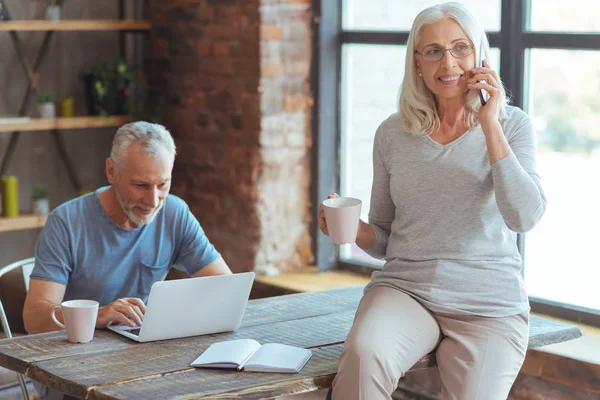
<point>453,183</point>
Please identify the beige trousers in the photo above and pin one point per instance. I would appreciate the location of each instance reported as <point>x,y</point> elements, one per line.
<point>478,357</point>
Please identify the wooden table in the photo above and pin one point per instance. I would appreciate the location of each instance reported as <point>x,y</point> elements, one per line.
<point>113,367</point>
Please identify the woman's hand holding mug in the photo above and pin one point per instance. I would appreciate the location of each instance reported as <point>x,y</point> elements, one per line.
<point>322,220</point>
<point>339,218</point>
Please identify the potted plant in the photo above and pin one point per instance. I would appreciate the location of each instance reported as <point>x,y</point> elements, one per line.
<point>107,89</point>
<point>41,205</point>
<point>45,105</point>
<point>53,10</point>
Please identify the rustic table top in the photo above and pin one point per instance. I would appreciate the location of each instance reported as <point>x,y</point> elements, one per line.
<point>114,367</point>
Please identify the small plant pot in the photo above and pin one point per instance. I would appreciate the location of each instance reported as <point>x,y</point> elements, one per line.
<point>41,207</point>
<point>47,110</point>
<point>53,13</point>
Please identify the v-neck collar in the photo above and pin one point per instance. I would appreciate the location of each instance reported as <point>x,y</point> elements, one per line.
<point>449,144</point>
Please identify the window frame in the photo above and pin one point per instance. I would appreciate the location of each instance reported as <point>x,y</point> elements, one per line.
<point>513,40</point>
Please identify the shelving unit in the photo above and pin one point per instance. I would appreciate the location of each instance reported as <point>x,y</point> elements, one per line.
<point>15,127</point>
<point>74,25</point>
<point>25,221</point>
<point>38,124</point>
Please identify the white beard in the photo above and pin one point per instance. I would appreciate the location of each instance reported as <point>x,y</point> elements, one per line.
<point>139,221</point>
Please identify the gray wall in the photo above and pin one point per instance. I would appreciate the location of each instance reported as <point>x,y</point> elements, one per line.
<point>36,159</point>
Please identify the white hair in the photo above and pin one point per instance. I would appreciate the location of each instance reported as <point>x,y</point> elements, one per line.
<point>417,104</point>
<point>151,136</point>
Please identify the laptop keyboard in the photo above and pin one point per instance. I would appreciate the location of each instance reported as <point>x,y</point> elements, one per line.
<point>135,331</point>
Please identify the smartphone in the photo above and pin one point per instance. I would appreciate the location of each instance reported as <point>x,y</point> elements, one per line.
<point>483,95</point>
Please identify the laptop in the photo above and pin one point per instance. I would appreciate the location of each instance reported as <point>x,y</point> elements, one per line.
<point>191,307</point>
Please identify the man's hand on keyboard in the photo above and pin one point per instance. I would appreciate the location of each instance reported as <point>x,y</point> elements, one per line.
<point>127,311</point>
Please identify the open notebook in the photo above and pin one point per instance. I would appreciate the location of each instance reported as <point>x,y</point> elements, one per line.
<point>249,355</point>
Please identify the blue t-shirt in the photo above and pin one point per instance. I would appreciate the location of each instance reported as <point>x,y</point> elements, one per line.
<point>82,248</point>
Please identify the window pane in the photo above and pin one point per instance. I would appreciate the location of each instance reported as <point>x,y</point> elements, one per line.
<point>371,78</point>
<point>561,15</point>
<point>495,59</point>
<point>395,15</point>
<point>561,252</point>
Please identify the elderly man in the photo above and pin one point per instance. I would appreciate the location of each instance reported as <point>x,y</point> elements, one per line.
<point>113,244</point>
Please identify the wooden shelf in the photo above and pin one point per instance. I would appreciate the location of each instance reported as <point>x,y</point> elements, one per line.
<point>39,124</point>
<point>75,25</point>
<point>25,221</point>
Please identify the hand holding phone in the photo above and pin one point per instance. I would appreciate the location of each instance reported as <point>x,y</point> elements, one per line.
<point>483,95</point>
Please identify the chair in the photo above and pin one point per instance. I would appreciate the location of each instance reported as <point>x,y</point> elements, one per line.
<point>26,267</point>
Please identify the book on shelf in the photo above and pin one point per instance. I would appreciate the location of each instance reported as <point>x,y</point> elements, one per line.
<point>14,120</point>
<point>249,355</point>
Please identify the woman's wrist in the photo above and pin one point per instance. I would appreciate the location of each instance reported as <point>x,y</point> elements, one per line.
<point>497,145</point>
<point>365,237</point>
<point>491,128</point>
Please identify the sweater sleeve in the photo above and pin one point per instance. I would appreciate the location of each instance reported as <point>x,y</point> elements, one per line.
<point>382,210</point>
<point>519,194</point>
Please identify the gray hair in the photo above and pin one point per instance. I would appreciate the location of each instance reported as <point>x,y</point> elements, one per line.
<point>151,136</point>
<point>417,103</point>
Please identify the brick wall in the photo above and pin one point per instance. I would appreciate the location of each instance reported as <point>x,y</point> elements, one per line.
<point>235,76</point>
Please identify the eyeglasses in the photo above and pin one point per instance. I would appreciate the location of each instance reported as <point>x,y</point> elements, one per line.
<point>433,53</point>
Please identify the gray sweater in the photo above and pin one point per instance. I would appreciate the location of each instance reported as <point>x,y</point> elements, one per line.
<point>446,220</point>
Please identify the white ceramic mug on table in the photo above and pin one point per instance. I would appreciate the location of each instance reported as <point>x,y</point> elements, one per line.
<point>80,319</point>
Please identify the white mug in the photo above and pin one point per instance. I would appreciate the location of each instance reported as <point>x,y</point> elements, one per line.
<point>342,215</point>
<point>80,319</point>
